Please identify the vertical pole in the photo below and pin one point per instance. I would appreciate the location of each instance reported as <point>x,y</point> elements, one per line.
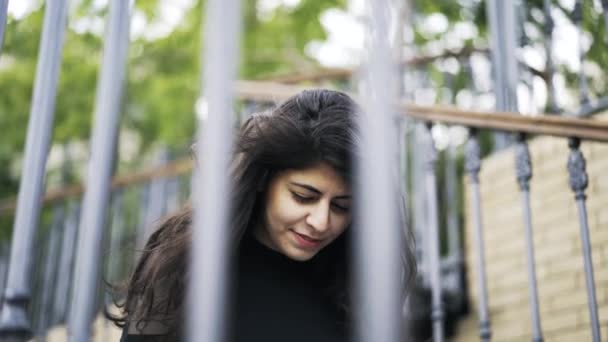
<point>103,140</point>
<point>378,245</point>
<point>66,261</point>
<point>420,218</point>
<point>116,236</point>
<point>433,243</point>
<point>156,198</point>
<point>143,196</point>
<point>3,17</point>
<point>550,68</point>
<point>50,271</point>
<point>605,7</point>
<point>523,168</point>
<point>472,166</point>
<point>14,323</point>
<point>209,282</point>
<point>578,183</point>
<point>577,18</point>
<point>453,227</point>
<point>502,20</point>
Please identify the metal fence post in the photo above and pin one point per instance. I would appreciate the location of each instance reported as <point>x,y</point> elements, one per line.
<point>3,19</point>
<point>50,271</point>
<point>577,18</point>
<point>103,140</point>
<point>433,243</point>
<point>472,166</point>
<point>550,68</point>
<point>523,168</point>
<point>66,261</point>
<point>209,282</point>
<point>578,182</point>
<point>14,323</point>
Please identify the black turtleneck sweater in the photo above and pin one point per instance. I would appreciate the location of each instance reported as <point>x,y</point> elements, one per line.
<point>278,299</point>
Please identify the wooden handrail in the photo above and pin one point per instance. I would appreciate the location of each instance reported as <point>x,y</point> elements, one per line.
<point>561,126</point>
<point>340,73</point>
<point>586,129</point>
<point>171,169</point>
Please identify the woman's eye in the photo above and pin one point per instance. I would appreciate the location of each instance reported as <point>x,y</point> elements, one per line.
<point>302,198</point>
<point>340,208</point>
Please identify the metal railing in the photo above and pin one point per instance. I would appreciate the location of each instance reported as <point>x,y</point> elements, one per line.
<point>81,268</point>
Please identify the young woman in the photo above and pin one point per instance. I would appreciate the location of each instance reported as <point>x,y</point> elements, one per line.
<point>291,213</point>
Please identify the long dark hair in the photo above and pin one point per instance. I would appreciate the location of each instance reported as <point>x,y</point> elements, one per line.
<point>311,127</point>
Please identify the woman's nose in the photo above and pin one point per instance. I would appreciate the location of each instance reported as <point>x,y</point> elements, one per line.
<point>318,217</point>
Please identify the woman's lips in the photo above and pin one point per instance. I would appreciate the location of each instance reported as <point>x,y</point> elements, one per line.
<point>306,241</point>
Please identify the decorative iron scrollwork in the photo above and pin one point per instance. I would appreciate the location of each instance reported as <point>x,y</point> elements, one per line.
<point>576,169</point>
<point>473,157</point>
<point>523,163</point>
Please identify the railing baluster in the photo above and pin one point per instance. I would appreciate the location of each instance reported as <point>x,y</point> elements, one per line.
<point>453,227</point>
<point>50,270</point>
<point>210,183</point>
<point>155,206</point>
<point>420,219</point>
<point>173,196</point>
<point>143,196</point>
<point>578,183</point>
<point>473,166</point>
<point>605,7</point>
<point>433,243</point>
<point>14,323</point>
<point>523,167</point>
<point>3,19</point>
<point>116,236</point>
<point>502,20</point>
<point>103,140</point>
<point>550,68</point>
<point>66,261</point>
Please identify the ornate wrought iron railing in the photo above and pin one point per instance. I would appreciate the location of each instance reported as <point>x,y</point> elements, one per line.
<point>70,293</point>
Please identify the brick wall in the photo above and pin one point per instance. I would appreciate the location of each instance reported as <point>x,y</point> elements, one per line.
<point>557,243</point>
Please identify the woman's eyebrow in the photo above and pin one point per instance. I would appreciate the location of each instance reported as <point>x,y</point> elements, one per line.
<point>316,191</point>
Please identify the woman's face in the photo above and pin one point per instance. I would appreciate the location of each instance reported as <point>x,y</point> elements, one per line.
<point>305,210</point>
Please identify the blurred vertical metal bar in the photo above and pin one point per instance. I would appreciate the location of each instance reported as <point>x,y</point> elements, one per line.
<point>50,271</point>
<point>577,18</point>
<point>66,260</point>
<point>116,236</point>
<point>453,227</point>
<point>503,41</point>
<point>523,169</point>
<point>578,183</point>
<point>143,197</point>
<point>210,184</point>
<point>4,248</point>
<point>96,196</point>
<point>3,19</point>
<point>156,198</point>
<point>433,243</point>
<point>14,323</point>
<point>378,246</point>
<point>473,166</point>
<point>172,203</point>
<point>549,68</point>
<point>605,7</point>
<point>420,219</point>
